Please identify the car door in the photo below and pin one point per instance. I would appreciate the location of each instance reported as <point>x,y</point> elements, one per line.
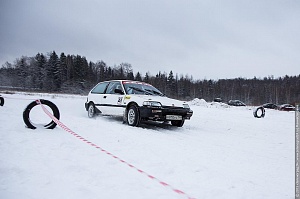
<point>112,101</point>
<point>97,93</point>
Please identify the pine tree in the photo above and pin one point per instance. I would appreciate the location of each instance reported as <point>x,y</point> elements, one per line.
<point>63,67</point>
<point>171,87</point>
<point>40,61</point>
<point>130,76</point>
<point>138,77</point>
<point>22,72</point>
<point>147,78</point>
<point>54,72</point>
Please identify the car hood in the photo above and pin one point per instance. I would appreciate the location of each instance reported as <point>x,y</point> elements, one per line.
<point>165,101</point>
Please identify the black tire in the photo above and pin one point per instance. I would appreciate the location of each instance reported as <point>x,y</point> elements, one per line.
<point>91,110</point>
<point>178,123</point>
<point>133,116</point>
<point>50,125</point>
<point>259,109</point>
<point>1,101</point>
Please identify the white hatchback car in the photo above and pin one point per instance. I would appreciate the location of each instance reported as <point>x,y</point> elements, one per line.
<point>135,101</point>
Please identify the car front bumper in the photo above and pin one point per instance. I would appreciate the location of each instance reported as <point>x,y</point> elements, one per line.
<point>165,113</point>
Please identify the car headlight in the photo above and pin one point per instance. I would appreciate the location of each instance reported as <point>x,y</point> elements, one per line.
<point>186,106</point>
<point>152,104</point>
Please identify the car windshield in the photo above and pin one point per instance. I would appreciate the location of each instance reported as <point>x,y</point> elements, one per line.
<point>141,88</point>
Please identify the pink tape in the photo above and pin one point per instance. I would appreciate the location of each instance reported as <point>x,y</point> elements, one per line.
<point>110,154</point>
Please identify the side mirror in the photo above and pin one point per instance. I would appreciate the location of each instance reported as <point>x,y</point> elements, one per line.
<point>117,90</point>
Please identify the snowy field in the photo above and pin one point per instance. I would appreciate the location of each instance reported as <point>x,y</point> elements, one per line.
<point>222,152</point>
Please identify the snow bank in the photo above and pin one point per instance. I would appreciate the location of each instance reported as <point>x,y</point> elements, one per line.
<point>198,102</point>
<point>203,103</point>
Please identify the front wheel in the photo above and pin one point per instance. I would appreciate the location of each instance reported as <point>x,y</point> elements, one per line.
<point>178,123</point>
<point>91,110</point>
<point>133,116</point>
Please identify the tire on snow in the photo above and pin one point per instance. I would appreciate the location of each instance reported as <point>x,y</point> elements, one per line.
<point>261,110</point>
<point>50,125</point>
<point>1,101</point>
<point>91,110</point>
<point>178,123</point>
<point>133,116</point>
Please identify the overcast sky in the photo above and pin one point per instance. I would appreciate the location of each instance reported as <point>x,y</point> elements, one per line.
<point>203,38</point>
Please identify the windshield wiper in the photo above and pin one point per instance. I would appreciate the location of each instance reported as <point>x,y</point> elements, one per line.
<point>141,90</point>
<point>147,91</point>
<point>153,92</point>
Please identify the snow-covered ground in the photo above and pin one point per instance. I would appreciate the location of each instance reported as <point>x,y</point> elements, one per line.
<point>222,152</point>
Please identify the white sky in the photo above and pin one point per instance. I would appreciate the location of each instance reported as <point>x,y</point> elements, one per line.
<point>205,39</point>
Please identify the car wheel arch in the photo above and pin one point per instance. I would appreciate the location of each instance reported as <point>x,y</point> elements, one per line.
<point>91,102</point>
<point>96,109</point>
<point>130,104</point>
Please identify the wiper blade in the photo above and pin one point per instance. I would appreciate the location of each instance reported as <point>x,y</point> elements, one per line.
<point>141,90</point>
<point>137,89</point>
<point>149,92</point>
<point>155,92</point>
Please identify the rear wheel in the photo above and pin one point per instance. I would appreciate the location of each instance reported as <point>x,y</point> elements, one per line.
<point>1,101</point>
<point>91,110</point>
<point>133,116</point>
<point>178,123</point>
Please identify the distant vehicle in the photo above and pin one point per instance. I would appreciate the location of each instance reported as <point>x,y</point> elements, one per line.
<point>136,101</point>
<point>286,107</point>
<point>236,103</point>
<point>270,106</point>
<point>218,99</point>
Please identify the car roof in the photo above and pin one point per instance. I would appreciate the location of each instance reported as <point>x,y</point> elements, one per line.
<point>124,80</point>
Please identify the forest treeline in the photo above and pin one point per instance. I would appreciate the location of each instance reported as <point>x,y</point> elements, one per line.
<point>74,74</point>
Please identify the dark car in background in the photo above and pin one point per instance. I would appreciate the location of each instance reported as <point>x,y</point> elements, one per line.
<point>218,99</point>
<point>286,107</point>
<point>270,106</point>
<point>236,103</point>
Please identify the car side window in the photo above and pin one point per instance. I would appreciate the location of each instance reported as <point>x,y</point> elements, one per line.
<point>100,88</point>
<point>112,86</point>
